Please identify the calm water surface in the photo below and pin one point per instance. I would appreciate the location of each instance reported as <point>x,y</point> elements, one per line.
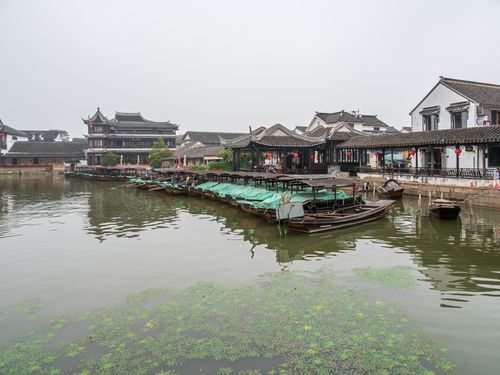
<point>72,246</point>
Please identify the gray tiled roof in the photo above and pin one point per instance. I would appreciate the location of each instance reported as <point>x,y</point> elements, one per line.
<point>47,149</point>
<point>265,137</point>
<point>196,152</point>
<point>391,129</point>
<point>44,135</point>
<point>482,93</point>
<point>10,130</point>
<point>210,138</point>
<point>303,129</point>
<point>334,117</point>
<point>129,120</point>
<point>319,131</point>
<point>373,120</point>
<point>448,137</point>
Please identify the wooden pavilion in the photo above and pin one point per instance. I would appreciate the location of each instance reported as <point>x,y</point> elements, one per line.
<point>278,148</point>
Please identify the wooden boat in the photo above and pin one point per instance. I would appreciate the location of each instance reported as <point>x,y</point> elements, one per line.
<point>444,209</point>
<point>341,218</point>
<point>390,190</point>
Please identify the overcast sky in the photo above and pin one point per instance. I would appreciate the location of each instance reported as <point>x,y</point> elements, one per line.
<point>226,64</point>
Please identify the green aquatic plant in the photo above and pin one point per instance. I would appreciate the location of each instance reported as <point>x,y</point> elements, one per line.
<point>285,323</point>
<point>29,307</point>
<point>399,277</point>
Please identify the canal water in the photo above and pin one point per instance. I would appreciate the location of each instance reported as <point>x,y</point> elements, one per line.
<point>97,277</point>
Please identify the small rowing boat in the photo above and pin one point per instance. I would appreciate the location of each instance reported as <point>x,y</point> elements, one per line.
<point>391,190</point>
<point>444,209</point>
<point>341,218</point>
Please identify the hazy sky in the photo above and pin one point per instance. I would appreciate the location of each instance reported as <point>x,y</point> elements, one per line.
<point>227,64</point>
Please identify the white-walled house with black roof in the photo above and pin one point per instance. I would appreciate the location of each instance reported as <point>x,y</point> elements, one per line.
<point>9,136</point>
<point>358,121</point>
<point>457,104</point>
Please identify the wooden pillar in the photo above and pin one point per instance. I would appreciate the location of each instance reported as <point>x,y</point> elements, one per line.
<point>432,160</point>
<point>383,158</point>
<point>458,160</point>
<point>284,162</point>
<point>392,157</point>
<point>254,167</point>
<point>309,160</point>
<point>416,159</point>
<point>257,158</point>
<point>484,159</point>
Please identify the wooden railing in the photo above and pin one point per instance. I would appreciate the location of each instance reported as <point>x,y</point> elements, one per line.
<point>428,172</point>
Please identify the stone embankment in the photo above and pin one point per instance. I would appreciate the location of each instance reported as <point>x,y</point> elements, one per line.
<point>28,170</point>
<point>473,195</point>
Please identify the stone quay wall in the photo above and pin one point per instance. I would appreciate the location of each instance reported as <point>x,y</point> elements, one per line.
<point>473,192</point>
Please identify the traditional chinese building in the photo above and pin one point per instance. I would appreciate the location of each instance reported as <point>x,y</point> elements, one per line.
<point>54,155</point>
<point>128,135</point>
<point>9,136</point>
<point>280,148</point>
<point>458,104</point>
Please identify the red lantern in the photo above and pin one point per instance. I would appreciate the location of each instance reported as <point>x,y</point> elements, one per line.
<point>412,152</point>
<point>375,154</point>
<point>458,151</point>
<point>349,154</point>
<point>295,155</point>
<point>269,155</point>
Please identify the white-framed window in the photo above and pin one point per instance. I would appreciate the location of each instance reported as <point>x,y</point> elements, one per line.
<point>430,122</point>
<point>459,119</point>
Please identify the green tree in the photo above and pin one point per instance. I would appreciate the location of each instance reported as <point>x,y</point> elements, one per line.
<point>110,159</point>
<point>224,154</point>
<point>159,152</point>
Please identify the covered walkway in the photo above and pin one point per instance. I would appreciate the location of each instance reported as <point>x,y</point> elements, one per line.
<point>466,153</point>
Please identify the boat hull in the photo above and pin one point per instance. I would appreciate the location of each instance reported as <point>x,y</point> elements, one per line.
<point>342,218</point>
<point>447,213</point>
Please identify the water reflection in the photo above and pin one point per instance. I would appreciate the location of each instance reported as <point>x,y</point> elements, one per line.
<point>458,258</point>
<point>115,210</point>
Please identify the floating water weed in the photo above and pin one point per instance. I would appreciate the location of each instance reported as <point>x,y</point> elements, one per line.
<point>399,277</point>
<point>301,323</point>
<point>29,307</point>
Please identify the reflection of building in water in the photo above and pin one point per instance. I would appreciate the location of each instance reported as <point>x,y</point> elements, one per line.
<point>294,246</point>
<point>496,232</point>
<point>116,210</point>
<point>456,256</point>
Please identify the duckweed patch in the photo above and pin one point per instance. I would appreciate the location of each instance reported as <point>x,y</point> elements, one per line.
<point>299,323</point>
<point>29,307</point>
<point>399,277</point>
